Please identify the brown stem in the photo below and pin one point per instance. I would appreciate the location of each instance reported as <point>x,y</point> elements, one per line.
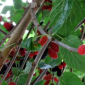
<point>41,75</point>
<point>82,36</point>
<point>7,36</point>
<point>18,33</point>
<point>65,46</point>
<point>79,25</point>
<point>71,70</point>
<point>3,32</point>
<point>46,26</point>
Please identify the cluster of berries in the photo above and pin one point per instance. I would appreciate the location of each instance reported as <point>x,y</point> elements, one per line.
<point>42,42</point>
<point>48,78</point>
<point>81,49</point>
<point>47,7</point>
<point>59,68</point>
<point>22,52</point>
<point>52,49</point>
<point>8,26</point>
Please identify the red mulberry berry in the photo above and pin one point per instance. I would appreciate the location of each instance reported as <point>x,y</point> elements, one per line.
<point>60,66</point>
<point>0,18</point>
<point>81,31</point>
<point>47,7</point>
<point>36,52</point>
<point>31,55</point>
<point>24,8</point>
<point>47,82</point>
<point>8,75</point>
<point>40,70</point>
<point>22,51</point>
<point>63,64</point>
<point>11,83</point>
<point>38,33</point>
<point>55,47</point>
<point>55,79</point>
<point>12,53</point>
<point>8,26</point>
<point>47,72</point>
<point>34,74</point>
<point>52,84</point>
<point>43,40</point>
<point>81,50</point>
<point>52,53</point>
<point>48,77</point>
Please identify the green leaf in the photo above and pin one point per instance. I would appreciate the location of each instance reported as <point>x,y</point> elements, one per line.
<point>43,65</point>
<point>16,17</point>
<point>22,79</point>
<point>73,59</point>
<point>60,12</point>
<point>16,71</point>
<point>1,36</point>
<point>40,82</point>
<point>4,82</point>
<point>0,4</point>
<point>48,59</point>
<point>51,64</point>
<point>27,68</point>
<point>34,47</point>
<point>7,8</point>
<point>56,62</point>
<point>45,13</point>
<point>25,42</point>
<point>69,78</point>
<point>3,0</point>
<point>73,41</point>
<point>30,45</point>
<point>17,4</point>
<point>75,14</point>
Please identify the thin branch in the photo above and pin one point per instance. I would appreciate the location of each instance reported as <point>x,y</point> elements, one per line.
<point>36,22</point>
<point>46,26</point>
<point>79,25</point>
<point>65,46</point>
<point>30,30</point>
<point>71,70</point>
<point>10,65</point>
<point>7,36</point>
<point>3,32</point>
<point>82,36</point>
<point>41,75</point>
